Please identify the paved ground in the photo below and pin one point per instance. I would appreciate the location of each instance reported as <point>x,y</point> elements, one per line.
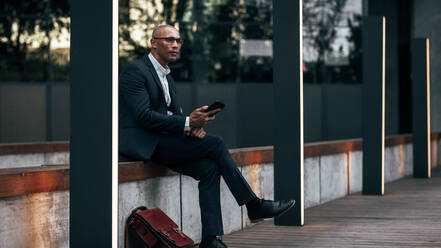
<point>408,215</point>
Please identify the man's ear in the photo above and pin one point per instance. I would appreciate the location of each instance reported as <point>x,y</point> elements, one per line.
<point>153,43</point>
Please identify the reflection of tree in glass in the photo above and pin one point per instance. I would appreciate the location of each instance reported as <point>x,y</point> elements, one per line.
<point>320,18</point>
<point>256,19</point>
<point>222,42</point>
<point>355,51</point>
<point>138,18</point>
<point>212,31</point>
<point>27,27</point>
<point>255,24</point>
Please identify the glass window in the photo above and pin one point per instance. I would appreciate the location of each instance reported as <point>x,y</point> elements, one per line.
<point>34,40</point>
<point>214,31</point>
<point>231,40</point>
<point>332,41</point>
<point>34,54</point>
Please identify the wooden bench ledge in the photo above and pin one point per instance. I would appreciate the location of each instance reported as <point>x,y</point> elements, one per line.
<point>63,146</point>
<point>28,180</point>
<point>22,181</point>
<point>40,147</point>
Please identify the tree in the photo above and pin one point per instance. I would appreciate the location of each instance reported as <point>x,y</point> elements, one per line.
<point>138,18</point>
<point>212,31</point>
<point>320,19</point>
<point>355,51</point>
<point>23,24</point>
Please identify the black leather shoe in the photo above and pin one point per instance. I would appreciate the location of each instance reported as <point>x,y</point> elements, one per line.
<point>269,209</point>
<point>212,243</point>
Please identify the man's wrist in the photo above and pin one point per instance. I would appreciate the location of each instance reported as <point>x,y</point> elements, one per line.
<point>187,124</point>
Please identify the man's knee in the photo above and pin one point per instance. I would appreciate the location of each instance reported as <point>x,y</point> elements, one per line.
<point>210,171</point>
<point>216,141</point>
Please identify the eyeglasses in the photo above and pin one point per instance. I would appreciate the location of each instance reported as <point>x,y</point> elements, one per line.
<point>180,41</point>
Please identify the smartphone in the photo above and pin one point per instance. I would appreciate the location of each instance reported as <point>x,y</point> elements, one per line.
<point>215,105</point>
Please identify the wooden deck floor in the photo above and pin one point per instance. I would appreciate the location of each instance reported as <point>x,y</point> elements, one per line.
<point>408,215</point>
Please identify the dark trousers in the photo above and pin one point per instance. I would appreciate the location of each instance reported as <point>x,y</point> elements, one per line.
<point>205,160</point>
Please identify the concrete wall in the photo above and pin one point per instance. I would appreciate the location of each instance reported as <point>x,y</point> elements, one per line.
<point>42,220</point>
<point>35,221</point>
<point>426,20</point>
<point>33,159</point>
<point>163,192</point>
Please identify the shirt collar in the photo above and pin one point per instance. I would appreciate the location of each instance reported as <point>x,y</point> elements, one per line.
<point>158,67</point>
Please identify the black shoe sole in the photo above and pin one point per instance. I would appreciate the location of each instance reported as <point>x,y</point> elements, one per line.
<point>284,211</point>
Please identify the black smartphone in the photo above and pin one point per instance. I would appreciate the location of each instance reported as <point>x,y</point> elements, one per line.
<point>215,105</point>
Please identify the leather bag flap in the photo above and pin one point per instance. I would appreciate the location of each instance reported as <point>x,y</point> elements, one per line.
<point>165,226</point>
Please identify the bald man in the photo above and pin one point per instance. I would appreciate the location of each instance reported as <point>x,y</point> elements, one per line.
<point>153,127</point>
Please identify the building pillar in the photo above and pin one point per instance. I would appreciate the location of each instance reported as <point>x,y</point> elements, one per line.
<point>288,112</point>
<point>374,75</point>
<point>421,107</point>
<point>94,123</point>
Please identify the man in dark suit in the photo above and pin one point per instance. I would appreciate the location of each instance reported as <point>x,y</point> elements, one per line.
<point>153,127</point>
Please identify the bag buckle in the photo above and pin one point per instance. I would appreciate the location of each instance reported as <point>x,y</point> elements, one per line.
<point>178,231</point>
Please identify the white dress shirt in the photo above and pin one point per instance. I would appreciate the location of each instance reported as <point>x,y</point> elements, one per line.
<point>162,74</point>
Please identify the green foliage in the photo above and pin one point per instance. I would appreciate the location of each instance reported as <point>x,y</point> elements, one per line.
<point>26,27</point>
<point>320,19</point>
<point>356,52</point>
<point>212,31</point>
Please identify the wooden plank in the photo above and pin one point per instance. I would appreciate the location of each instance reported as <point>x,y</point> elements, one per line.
<point>19,148</point>
<point>132,171</point>
<point>24,181</point>
<point>139,171</point>
<point>252,155</point>
<point>406,216</point>
<point>33,169</point>
<point>28,180</point>
<point>396,140</point>
<point>332,147</point>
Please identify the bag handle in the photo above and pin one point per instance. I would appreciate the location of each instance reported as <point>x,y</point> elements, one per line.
<point>126,235</point>
<point>140,208</point>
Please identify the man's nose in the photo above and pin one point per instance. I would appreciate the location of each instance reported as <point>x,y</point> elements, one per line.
<point>175,44</point>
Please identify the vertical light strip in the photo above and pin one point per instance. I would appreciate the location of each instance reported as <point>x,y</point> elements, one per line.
<point>383,83</point>
<point>302,193</point>
<point>349,170</point>
<point>428,106</point>
<point>115,124</point>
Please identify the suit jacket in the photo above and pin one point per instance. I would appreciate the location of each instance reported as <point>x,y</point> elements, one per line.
<point>143,110</point>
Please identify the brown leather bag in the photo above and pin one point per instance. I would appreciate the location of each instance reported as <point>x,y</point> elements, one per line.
<point>153,228</point>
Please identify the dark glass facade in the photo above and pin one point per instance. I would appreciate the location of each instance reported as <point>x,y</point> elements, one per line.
<point>227,55</point>
<point>226,40</point>
<point>34,40</point>
<point>231,40</point>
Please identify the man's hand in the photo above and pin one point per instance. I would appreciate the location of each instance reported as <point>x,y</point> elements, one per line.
<point>199,118</point>
<point>197,133</point>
